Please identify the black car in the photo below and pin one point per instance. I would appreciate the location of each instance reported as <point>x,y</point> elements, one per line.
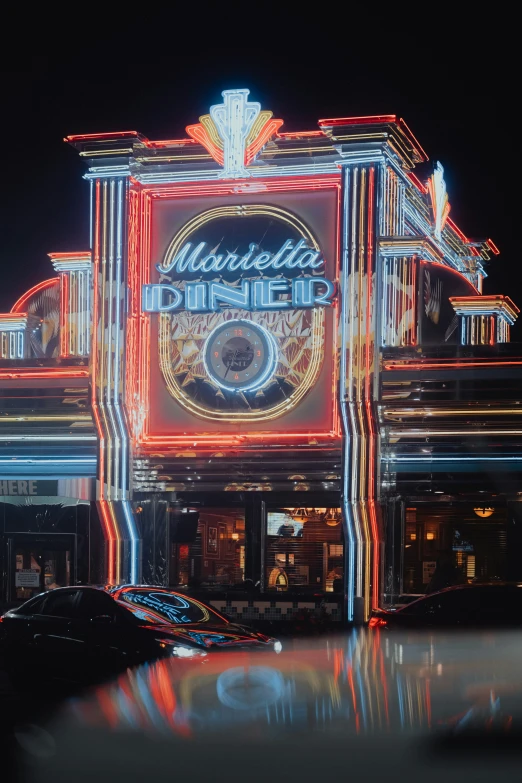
<point>472,606</point>
<point>83,634</point>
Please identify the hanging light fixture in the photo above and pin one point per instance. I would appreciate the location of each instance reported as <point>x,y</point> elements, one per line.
<point>299,514</point>
<point>484,512</point>
<point>332,516</point>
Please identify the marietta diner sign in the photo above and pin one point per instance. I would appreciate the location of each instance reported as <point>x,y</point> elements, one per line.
<point>264,294</point>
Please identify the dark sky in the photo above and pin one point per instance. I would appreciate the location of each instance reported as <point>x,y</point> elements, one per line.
<point>451,85</point>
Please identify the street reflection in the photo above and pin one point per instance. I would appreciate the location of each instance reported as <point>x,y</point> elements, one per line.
<point>367,682</point>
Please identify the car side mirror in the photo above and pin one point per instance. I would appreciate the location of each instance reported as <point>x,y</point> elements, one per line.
<point>102,619</point>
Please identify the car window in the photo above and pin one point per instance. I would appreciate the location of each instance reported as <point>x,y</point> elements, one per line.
<point>155,606</point>
<point>512,597</point>
<point>33,606</point>
<point>94,603</point>
<point>60,603</point>
<point>472,602</point>
<point>496,599</point>
<point>436,604</point>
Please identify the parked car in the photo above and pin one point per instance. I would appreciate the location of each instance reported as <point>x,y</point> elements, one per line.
<point>475,605</point>
<point>84,634</point>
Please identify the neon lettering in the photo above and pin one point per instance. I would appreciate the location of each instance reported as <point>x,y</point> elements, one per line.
<point>249,295</point>
<point>303,292</point>
<point>277,261</point>
<point>196,296</point>
<point>291,261</point>
<point>229,295</point>
<point>154,298</point>
<point>288,256</point>
<point>265,293</point>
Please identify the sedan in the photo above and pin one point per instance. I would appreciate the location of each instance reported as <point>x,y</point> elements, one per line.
<point>83,634</point>
<point>473,606</point>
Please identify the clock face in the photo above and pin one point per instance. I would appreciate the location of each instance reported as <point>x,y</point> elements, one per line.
<point>240,356</point>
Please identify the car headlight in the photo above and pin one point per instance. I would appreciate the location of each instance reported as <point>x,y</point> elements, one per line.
<point>186,652</point>
<point>180,650</point>
<point>278,647</point>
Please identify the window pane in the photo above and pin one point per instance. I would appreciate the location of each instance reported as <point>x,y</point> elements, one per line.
<point>473,538</point>
<point>499,599</point>
<point>60,604</point>
<point>93,603</point>
<point>34,606</point>
<point>216,558</point>
<point>304,550</point>
<point>443,603</point>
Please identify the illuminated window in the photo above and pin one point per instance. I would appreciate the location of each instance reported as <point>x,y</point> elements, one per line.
<point>306,545</point>
<point>217,556</point>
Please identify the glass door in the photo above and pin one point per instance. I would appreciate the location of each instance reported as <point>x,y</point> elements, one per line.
<point>28,574</point>
<point>39,563</point>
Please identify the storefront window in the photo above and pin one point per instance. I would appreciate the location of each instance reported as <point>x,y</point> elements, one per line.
<point>471,541</point>
<point>304,550</point>
<point>216,558</point>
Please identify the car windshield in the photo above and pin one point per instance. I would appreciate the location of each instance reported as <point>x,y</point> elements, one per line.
<point>157,607</point>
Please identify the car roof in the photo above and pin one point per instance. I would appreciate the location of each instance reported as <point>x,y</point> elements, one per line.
<point>109,589</point>
<point>459,588</point>
<point>455,588</point>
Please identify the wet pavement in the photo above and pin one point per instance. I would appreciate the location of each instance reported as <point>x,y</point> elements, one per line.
<point>402,705</point>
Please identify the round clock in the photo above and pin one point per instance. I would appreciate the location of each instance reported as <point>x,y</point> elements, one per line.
<point>240,356</point>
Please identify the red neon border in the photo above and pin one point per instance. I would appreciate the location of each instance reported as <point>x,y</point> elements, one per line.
<point>139,336</point>
<point>64,315</point>
<point>33,373</point>
<point>22,301</point>
<point>450,269</point>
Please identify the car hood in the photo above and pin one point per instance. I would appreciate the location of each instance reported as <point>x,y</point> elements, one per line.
<point>207,636</point>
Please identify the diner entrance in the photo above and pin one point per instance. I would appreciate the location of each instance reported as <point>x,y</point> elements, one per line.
<point>39,562</point>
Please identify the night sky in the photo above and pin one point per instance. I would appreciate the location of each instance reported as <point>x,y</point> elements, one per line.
<point>450,85</point>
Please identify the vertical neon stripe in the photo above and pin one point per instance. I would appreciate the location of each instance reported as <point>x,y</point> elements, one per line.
<point>372,435</point>
<point>107,527</point>
<point>110,528</point>
<point>343,391</point>
<point>111,538</point>
<point>64,314</point>
<point>119,357</point>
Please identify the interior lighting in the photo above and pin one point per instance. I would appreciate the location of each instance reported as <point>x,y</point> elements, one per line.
<point>484,512</point>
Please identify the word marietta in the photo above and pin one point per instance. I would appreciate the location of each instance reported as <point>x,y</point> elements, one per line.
<point>290,256</point>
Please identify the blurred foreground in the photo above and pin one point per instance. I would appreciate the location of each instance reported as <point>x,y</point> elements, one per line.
<point>415,705</point>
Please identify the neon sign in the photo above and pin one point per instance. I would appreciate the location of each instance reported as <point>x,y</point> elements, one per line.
<point>234,119</point>
<point>244,298</point>
<point>256,294</point>
<point>234,132</point>
<point>439,199</point>
<point>205,296</point>
<point>240,356</point>
<point>291,255</point>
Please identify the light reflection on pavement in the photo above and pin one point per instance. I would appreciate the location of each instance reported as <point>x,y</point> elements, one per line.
<point>334,698</point>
